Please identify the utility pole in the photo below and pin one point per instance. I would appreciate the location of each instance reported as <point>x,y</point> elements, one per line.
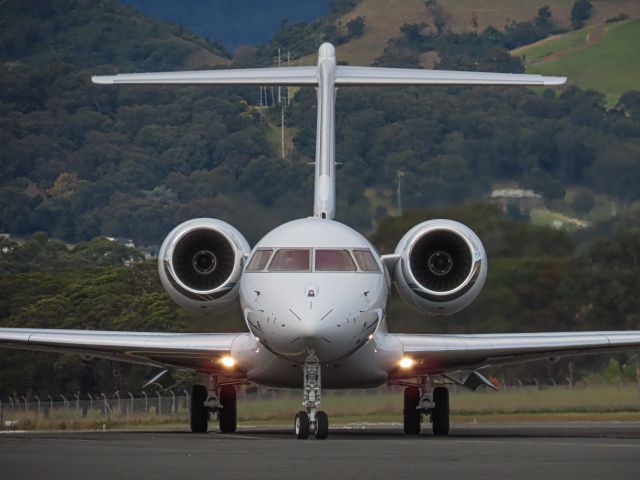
<point>399,174</point>
<point>279,87</point>
<point>288,88</point>
<point>282,129</point>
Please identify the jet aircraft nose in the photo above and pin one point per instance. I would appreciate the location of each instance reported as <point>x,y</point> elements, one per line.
<point>319,317</point>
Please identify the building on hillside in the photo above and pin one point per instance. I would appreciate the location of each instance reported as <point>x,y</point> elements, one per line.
<point>517,198</point>
<point>127,242</point>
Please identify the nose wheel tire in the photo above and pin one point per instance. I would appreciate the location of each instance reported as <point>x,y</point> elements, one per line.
<point>301,425</point>
<point>199,413</point>
<point>322,426</point>
<point>227,414</point>
<point>440,413</point>
<point>411,413</point>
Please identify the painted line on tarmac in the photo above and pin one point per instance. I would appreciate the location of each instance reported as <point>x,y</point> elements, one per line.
<point>234,435</point>
<point>561,444</point>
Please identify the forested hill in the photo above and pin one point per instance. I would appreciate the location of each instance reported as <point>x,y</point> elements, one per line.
<point>80,160</point>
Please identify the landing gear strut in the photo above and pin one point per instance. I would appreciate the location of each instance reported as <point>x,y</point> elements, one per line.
<point>418,401</point>
<point>210,400</point>
<point>310,419</point>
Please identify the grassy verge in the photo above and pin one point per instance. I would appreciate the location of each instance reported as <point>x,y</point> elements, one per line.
<point>603,403</point>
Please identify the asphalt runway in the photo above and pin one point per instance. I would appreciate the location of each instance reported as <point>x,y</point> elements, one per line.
<point>609,451</point>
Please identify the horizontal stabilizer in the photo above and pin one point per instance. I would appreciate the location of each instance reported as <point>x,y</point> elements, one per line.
<point>347,75</point>
<point>344,76</point>
<point>248,76</point>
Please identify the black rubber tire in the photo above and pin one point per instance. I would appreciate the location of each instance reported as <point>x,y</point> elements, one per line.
<point>228,412</point>
<point>440,413</point>
<point>199,413</point>
<point>322,425</point>
<point>412,417</point>
<point>301,425</point>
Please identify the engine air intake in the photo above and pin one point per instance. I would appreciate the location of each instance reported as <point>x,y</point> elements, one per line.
<point>203,259</point>
<point>440,260</point>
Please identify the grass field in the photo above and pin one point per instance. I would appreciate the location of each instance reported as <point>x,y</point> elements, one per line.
<point>611,66</point>
<point>383,406</point>
<point>549,218</point>
<point>535,52</point>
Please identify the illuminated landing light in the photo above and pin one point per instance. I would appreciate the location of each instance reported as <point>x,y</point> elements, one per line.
<point>228,362</point>
<point>406,362</point>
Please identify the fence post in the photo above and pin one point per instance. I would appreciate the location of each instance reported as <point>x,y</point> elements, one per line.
<point>25,403</point>
<point>77,395</point>
<point>159,403</point>
<point>117,395</point>
<point>173,402</point>
<point>131,395</point>
<point>105,403</point>
<point>90,401</point>
<point>146,403</point>
<point>64,400</point>
<point>37,400</point>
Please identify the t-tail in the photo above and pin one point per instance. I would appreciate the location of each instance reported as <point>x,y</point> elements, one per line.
<point>326,76</point>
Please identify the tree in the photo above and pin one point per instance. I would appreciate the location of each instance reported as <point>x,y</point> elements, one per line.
<point>580,12</point>
<point>355,27</point>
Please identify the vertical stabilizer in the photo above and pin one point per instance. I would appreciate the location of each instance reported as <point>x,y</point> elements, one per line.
<point>324,200</point>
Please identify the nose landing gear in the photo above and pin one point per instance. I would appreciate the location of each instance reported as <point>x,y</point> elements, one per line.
<point>310,419</point>
<point>419,401</point>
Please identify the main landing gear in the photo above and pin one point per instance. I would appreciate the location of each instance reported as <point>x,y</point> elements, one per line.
<point>214,399</point>
<point>419,401</point>
<point>310,419</point>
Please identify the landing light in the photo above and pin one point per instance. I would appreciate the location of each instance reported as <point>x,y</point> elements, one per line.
<point>227,362</point>
<point>406,362</point>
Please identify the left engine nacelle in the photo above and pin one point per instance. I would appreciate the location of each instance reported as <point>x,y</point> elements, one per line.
<point>200,264</point>
<point>442,267</point>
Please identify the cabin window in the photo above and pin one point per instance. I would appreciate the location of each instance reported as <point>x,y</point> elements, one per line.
<point>290,260</point>
<point>259,260</point>
<point>334,261</point>
<point>365,260</point>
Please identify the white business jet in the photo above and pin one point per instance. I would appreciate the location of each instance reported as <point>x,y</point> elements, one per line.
<point>313,292</point>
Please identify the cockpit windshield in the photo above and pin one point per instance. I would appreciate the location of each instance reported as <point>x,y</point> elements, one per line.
<point>259,260</point>
<point>324,260</point>
<point>334,261</point>
<point>290,260</point>
<point>365,260</point>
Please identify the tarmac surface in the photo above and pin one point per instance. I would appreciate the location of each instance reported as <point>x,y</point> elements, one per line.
<point>580,450</point>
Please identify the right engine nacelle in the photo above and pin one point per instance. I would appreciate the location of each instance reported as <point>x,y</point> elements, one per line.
<point>200,264</point>
<point>442,267</point>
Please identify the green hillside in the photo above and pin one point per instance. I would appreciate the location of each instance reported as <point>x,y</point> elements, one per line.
<point>81,160</point>
<point>611,65</point>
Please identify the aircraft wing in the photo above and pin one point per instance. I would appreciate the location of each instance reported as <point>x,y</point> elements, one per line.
<point>199,352</point>
<point>443,353</point>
